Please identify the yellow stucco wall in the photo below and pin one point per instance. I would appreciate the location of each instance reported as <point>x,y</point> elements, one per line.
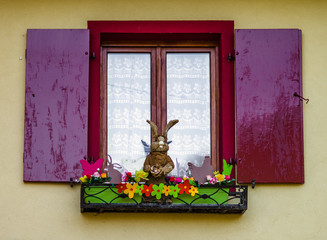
<point>51,211</point>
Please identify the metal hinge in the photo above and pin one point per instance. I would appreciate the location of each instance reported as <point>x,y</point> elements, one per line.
<point>92,55</point>
<point>231,57</point>
<point>233,161</point>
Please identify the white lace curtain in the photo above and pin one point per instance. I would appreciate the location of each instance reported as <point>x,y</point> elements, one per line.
<point>188,99</point>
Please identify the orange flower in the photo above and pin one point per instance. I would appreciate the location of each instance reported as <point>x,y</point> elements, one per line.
<point>130,189</point>
<point>104,175</point>
<point>166,190</point>
<point>193,191</point>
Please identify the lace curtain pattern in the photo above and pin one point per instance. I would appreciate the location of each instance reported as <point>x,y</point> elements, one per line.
<point>128,108</point>
<point>188,100</point>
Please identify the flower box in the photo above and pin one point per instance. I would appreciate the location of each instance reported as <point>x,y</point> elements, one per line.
<point>210,198</point>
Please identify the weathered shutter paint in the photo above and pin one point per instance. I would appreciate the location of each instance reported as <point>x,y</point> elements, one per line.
<point>269,116</point>
<point>56,104</point>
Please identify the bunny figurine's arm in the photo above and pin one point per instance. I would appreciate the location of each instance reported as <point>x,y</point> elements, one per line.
<point>169,166</point>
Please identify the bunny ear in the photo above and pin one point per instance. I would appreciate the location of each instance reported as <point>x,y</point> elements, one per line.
<point>169,126</point>
<point>109,159</point>
<point>154,128</point>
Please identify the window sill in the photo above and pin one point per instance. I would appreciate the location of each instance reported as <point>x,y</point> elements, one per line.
<point>210,199</point>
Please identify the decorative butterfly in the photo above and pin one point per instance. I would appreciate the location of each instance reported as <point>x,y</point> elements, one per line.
<point>89,168</point>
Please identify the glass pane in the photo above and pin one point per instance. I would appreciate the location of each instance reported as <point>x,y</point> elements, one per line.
<point>129,78</point>
<point>188,100</point>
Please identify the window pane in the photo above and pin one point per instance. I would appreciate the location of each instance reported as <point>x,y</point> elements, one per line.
<point>128,108</point>
<point>188,100</point>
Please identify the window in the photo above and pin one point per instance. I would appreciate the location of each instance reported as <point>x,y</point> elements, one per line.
<point>190,32</point>
<point>62,107</point>
<point>160,81</point>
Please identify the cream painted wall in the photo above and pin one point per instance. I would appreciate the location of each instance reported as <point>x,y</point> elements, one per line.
<point>51,211</point>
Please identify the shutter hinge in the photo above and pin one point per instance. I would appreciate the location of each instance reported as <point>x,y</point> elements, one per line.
<point>233,161</point>
<point>92,55</point>
<point>253,183</point>
<point>231,57</point>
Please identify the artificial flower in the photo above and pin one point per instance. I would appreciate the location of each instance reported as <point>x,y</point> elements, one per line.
<point>83,179</point>
<point>220,177</point>
<point>184,187</point>
<point>166,190</point>
<point>121,187</point>
<point>193,191</point>
<point>213,180</point>
<point>130,189</point>
<point>147,190</point>
<point>208,177</point>
<point>139,189</point>
<point>178,180</point>
<point>157,190</point>
<point>96,174</point>
<point>104,175</point>
<point>174,191</point>
<point>88,176</point>
<point>125,176</point>
<point>227,178</point>
<point>141,175</point>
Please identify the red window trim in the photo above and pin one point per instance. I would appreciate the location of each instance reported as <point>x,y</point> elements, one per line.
<point>224,30</point>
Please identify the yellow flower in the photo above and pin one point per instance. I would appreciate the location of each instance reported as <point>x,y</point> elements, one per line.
<point>193,191</point>
<point>166,190</point>
<point>83,179</point>
<point>130,189</point>
<point>140,175</point>
<point>220,177</point>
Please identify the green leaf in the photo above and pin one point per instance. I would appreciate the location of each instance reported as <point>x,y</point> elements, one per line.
<point>227,168</point>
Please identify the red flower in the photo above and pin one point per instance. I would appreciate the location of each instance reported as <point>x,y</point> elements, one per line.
<point>121,187</point>
<point>127,176</point>
<point>88,176</point>
<point>184,187</point>
<point>147,190</point>
<point>171,179</point>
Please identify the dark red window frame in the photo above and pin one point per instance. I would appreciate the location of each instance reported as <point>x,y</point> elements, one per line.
<point>222,30</point>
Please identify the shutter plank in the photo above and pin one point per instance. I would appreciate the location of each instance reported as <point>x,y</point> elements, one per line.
<point>269,117</point>
<point>56,104</point>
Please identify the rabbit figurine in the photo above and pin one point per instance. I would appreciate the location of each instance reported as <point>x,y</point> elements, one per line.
<point>158,164</point>
<point>111,169</point>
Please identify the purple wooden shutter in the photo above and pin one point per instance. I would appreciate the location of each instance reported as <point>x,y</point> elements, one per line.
<point>56,104</point>
<point>269,116</point>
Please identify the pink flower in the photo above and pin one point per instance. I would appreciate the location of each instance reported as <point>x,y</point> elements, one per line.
<point>213,180</point>
<point>178,180</point>
<point>125,176</point>
<point>96,174</point>
<point>227,178</point>
<point>208,177</point>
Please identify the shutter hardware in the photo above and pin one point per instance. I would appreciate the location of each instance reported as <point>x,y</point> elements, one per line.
<point>233,161</point>
<point>301,98</point>
<point>231,57</point>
